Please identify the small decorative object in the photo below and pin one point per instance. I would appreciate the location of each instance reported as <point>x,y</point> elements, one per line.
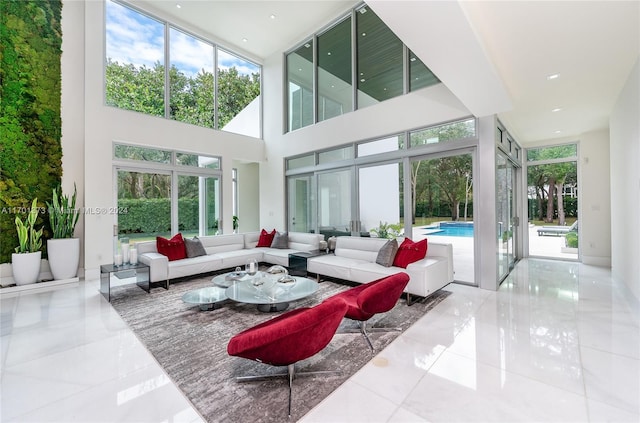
<point>251,267</point>
<point>277,269</point>
<point>124,246</point>
<point>133,254</point>
<point>323,246</point>
<point>117,259</point>
<point>331,243</point>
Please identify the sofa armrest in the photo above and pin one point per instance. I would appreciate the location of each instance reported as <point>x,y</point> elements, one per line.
<point>442,250</point>
<point>158,266</point>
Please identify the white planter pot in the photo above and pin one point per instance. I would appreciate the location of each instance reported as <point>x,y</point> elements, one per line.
<point>64,256</point>
<point>25,267</point>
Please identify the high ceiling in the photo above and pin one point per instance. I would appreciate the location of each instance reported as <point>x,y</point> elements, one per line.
<point>591,45</point>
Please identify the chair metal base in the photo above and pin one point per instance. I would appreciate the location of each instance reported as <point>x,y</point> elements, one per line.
<point>362,328</point>
<point>291,374</point>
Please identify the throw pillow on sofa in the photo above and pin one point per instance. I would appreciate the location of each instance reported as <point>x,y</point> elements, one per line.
<point>172,248</point>
<point>194,247</point>
<point>387,253</point>
<point>266,238</point>
<point>280,240</point>
<point>410,252</point>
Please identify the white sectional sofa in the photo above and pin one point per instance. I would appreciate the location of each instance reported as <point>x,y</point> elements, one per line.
<point>355,260</point>
<point>223,252</point>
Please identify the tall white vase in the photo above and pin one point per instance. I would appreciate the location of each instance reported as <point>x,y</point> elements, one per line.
<point>25,267</point>
<point>64,256</point>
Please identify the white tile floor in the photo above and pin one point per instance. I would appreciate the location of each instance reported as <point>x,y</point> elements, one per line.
<point>557,342</point>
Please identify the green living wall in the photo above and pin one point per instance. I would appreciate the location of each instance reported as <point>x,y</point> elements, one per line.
<point>30,124</point>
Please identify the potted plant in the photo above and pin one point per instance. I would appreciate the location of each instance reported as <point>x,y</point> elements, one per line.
<point>63,249</point>
<point>25,262</point>
<point>235,223</point>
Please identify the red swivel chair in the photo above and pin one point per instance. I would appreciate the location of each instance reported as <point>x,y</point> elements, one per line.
<point>367,300</point>
<point>289,338</point>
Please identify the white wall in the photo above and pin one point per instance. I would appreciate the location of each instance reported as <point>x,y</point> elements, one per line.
<point>594,207</point>
<point>625,185</point>
<point>105,125</point>
<point>72,110</point>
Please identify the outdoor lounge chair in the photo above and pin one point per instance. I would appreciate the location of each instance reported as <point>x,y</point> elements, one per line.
<point>557,230</point>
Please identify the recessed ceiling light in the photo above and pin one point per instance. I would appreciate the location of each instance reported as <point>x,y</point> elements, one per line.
<point>553,76</point>
<point>362,80</point>
<point>179,6</point>
<point>558,132</point>
<point>307,45</point>
<point>364,34</point>
<point>272,16</point>
<point>363,10</point>
<point>557,109</point>
<point>413,59</point>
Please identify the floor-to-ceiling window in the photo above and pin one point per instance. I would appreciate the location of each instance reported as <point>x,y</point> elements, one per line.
<point>162,192</point>
<point>442,206</point>
<point>505,214</point>
<point>552,202</point>
<point>362,189</point>
<point>508,225</point>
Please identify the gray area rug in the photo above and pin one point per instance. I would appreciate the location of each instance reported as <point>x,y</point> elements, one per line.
<point>191,345</point>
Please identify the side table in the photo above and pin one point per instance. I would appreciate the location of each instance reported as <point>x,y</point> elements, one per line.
<point>140,271</point>
<point>298,261</point>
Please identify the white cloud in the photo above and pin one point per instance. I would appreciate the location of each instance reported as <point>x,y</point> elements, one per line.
<point>189,54</point>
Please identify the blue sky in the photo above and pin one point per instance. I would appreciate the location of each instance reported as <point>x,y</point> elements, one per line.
<point>137,39</point>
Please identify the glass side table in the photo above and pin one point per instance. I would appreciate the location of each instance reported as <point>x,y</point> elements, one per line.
<point>138,271</point>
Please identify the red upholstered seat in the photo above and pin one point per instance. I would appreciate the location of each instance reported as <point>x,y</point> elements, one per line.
<point>289,338</point>
<point>367,300</point>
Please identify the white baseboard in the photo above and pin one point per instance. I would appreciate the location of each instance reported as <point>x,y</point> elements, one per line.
<point>12,291</point>
<point>596,261</point>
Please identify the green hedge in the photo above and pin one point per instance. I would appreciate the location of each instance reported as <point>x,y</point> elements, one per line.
<point>151,216</point>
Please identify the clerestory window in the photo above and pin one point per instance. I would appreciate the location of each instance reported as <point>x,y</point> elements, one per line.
<point>205,85</point>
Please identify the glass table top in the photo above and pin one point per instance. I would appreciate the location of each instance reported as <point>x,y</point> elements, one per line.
<point>206,298</point>
<point>269,291</point>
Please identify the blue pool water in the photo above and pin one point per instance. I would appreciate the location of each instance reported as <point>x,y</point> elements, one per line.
<point>462,229</point>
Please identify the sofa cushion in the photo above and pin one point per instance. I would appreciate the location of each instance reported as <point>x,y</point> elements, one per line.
<point>194,247</point>
<point>280,240</point>
<point>172,248</point>
<point>220,243</point>
<point>266,238</point>
<point>387,253</point>
<point>410,252</point>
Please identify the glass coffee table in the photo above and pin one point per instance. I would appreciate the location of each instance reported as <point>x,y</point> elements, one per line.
<point>271,295</point>
<point>206,298</point>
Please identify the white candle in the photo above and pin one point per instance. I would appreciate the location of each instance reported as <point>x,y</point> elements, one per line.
<point>133,256</point>
<point>117,259</point>
<point>252,267</point>
<point>125,253</point>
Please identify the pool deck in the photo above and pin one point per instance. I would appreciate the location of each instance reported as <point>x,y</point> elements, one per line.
<point>463,251</point>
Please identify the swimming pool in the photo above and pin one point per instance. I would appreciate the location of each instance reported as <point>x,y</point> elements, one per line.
<point>460,229</point>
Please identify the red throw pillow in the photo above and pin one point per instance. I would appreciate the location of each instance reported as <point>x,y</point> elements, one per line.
<point>410,252</point>
<point>173,248</point>
<point>266,238</point>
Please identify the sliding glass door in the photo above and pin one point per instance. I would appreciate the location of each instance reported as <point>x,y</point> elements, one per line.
<point>335,202</point>
<point>442,207</point>
<point>379,194</point>
<point>301,203</point>
<point>505,215</point>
